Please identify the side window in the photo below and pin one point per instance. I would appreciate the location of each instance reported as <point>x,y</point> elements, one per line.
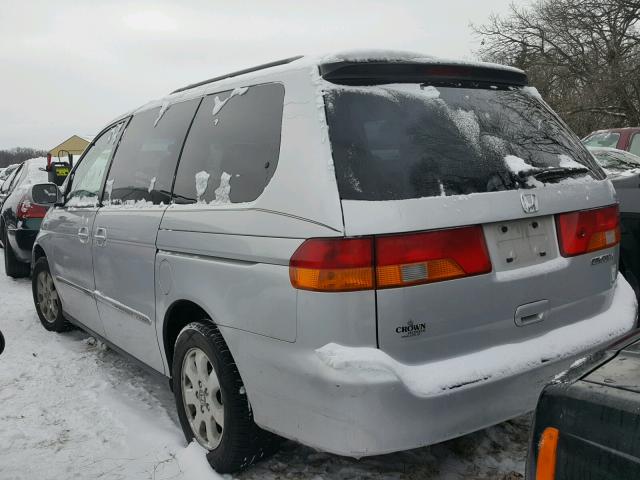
<point>233,146</point>
<point>86,183</point>
<point>145,163</point>
<point>634,146</point>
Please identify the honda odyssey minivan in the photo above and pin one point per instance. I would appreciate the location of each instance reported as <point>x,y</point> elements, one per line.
<point>363,252</point>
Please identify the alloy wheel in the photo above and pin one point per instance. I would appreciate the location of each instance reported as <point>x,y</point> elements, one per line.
<point>202,398</point>
<point>47,297</point>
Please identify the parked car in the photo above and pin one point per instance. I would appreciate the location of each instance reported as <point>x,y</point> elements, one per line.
<point>615,162</point>
<point>4,174</point>
<point>357,252</point>
<point>20,218</point>
<point>623,168</point>
<point>589,428</point>
<point>627,138</point>
<point>5,185</point>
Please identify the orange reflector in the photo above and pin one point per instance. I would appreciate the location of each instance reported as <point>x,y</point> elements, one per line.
<point>547,450</point>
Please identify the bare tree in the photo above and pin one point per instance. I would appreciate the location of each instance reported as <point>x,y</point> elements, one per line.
<point>583,56</point>
<point>18,155</point>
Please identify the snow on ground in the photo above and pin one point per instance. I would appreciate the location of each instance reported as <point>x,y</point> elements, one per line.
<point>72,409</point>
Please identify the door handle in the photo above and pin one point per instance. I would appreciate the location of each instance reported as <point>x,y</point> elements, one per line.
<point>83,234</point>
<point>531,313</point>
<point>100,236</point>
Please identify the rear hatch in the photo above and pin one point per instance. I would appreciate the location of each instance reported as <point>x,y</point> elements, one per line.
<point>461,174</point>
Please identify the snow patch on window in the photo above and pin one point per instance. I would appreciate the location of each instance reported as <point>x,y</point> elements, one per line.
<point>321,88</point>
<point>467,124</point>
<point>83,201</point>
<point>443,193</point>
<point>518,165</point>
<point>222,192</point>
<point>492,364</point>
<point>108,189</point>
<point>163,108</point>
<point>218,104</point>
<point>202,180</point>
<point>355,183</point>
<point>567,162</point>
<point>495,144</point>
<point>533,92</point>
<point>431,92</point>
<point>152,184</point>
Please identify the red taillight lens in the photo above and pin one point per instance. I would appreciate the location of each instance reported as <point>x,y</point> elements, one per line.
<point>347,264</point>
<point>403,260</point>
<point>27,209</point>
<point>588,230</point>
<point>333,265</point>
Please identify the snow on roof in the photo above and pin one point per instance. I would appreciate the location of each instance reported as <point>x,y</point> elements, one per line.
<point>398,56</point>
<point>404,56</point>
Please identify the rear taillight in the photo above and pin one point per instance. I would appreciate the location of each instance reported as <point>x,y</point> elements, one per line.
<point>333,265</point>
<point>588,230</point>
<point>27,209</point>
<point>403,260</point>
<point>347,264</point>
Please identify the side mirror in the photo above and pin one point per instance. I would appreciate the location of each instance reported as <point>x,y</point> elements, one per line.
<point>1,343</point>
<point>46,194</point>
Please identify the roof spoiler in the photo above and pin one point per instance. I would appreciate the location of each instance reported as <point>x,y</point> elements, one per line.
<point>376,73</point>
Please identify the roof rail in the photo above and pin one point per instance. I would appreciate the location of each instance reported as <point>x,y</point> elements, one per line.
<point>239,72</point>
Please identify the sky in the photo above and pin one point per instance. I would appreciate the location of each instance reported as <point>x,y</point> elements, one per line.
<point>69,67</point>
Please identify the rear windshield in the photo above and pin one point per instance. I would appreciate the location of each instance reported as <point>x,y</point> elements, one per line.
<point>404,141</point>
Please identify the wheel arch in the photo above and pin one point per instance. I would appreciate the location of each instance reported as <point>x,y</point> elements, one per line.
<point>38,252</point>
<point>179,314</point>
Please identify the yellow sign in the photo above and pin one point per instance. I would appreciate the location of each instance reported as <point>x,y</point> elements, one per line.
<point>62,171</point>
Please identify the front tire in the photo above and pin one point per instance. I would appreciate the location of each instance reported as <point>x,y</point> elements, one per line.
<point>212,403</point>
<point>46,298</point>
<point>13,267</point>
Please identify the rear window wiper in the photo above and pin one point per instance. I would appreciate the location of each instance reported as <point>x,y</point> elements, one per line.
<point>556,173</point>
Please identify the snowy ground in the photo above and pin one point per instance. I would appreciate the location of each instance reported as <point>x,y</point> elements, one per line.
<point>72,409</point>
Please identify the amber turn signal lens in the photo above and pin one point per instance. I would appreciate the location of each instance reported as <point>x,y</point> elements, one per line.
<point>547,454</point>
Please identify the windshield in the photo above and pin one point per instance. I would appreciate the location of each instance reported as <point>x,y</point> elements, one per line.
<point>616,159</point>
<point>602,139</point>
<point>405,141</point>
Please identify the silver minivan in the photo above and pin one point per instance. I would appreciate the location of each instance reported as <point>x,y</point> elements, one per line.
<point>363,252</point>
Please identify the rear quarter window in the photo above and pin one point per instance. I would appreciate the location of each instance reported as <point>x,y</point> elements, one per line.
<point>232,149</point>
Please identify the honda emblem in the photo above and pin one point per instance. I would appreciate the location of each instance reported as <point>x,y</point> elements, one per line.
<point>529,202</point>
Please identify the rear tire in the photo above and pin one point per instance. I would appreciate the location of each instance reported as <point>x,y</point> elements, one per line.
<point>12,266</point>
<point>209,393</point>
<point>46,298</point>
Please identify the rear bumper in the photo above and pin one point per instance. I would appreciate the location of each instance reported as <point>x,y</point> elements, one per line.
<point>22,241</point>
<point>360,402</point>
